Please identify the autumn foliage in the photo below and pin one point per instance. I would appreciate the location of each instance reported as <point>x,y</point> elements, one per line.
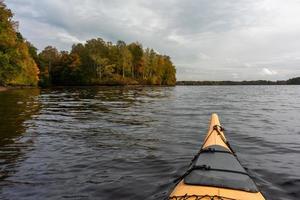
<point>17,67</point>
<point>96,62</point>
<point>102,63</point>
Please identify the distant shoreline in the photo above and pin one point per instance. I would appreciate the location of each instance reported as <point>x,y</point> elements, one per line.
<point>292,81</point>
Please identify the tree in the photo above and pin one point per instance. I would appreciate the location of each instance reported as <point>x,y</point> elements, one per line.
<point>17,67</point>
<point>48,59</point>
<point>126,61</point>
<point>136,50</point>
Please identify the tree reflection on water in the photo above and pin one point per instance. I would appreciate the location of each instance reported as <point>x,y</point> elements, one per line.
<point>16,107</point>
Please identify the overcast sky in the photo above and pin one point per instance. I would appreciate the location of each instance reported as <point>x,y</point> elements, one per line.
<point>206,39</point>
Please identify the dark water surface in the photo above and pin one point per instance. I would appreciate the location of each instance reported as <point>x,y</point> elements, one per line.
<point>130,143</point>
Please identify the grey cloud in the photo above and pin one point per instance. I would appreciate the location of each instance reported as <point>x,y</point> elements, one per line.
<point>206,39</point>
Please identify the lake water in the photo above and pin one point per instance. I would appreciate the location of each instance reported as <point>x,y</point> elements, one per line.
<point>131,143</point>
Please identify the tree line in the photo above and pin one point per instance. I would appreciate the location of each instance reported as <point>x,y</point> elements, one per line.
<point>96,62</point>
<point>292,81</point>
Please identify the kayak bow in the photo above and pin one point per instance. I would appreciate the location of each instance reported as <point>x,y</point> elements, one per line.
<point>215,172</point>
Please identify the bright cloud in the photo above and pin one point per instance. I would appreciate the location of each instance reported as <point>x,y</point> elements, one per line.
<point>269,72</point>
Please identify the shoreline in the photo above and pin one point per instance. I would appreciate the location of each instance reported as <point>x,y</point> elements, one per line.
<point>6,88</point>
<point>93,86</point>
<point>2,89</point>
<point>293,81</point>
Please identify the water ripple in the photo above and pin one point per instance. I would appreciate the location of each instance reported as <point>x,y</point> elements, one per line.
<point>131,143</point>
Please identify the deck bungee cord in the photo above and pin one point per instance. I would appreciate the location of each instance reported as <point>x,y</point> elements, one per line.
<point>216,128</point>
<point>199,197</point>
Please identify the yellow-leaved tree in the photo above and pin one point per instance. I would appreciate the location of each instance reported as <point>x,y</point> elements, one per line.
<point>17,67</point>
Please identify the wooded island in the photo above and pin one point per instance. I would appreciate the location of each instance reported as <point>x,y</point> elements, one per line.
<point>95,62</point>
